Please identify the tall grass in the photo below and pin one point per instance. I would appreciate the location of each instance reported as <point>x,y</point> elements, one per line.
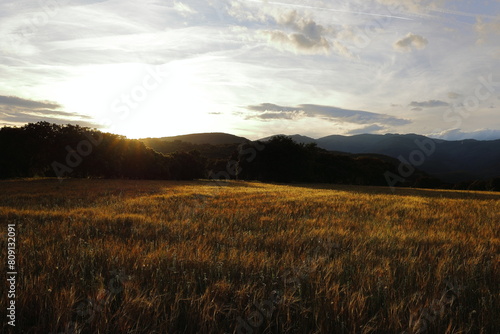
<point>115,256</point>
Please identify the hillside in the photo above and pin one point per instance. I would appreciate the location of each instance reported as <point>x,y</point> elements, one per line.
<point>45,149</point>
<point>297,138</point>
<point>451,161</point>
<point>214,138</point>
<point>283,160</point>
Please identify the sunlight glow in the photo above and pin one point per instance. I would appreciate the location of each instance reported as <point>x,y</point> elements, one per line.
<point>138,100</point>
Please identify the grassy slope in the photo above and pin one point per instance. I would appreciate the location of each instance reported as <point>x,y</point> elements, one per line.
<point>115,256</point>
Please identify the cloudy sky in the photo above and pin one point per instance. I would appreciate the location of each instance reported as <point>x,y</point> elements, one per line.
<point>253,68</point>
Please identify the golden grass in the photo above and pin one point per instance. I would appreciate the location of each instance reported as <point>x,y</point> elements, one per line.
<point>115,256</point>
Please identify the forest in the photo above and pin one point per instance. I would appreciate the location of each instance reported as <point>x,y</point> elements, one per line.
<point>50,150</point>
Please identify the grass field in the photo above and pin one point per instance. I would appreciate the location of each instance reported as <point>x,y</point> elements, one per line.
<point>122,256</point>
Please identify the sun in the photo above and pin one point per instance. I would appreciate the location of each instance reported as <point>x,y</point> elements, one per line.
<point>142,100</point>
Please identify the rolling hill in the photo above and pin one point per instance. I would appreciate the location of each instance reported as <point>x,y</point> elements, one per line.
<point>451,161</point>
<point>212,138</point>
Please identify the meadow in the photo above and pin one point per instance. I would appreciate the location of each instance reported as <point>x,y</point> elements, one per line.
<point>125,256</point>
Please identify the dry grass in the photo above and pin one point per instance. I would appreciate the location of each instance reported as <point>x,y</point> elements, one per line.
<point>114,256</point>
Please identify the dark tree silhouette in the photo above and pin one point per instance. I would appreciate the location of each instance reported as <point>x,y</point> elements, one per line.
<point>44,149</point>
<point>51,150</point>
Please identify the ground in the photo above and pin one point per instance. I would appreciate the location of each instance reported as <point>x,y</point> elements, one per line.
<point>125,256</point>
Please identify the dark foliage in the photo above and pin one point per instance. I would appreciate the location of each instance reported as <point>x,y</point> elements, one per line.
<point>45,149</point>
<point>216,154</point>
<point>451,161</point>
<point>488,185</point>
<point>51,150</point>
<point>284,160</point>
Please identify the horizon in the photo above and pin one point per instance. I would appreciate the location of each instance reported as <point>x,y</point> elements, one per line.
<point>254,68</point>
<point>298,134</point>
<point>288,135</point>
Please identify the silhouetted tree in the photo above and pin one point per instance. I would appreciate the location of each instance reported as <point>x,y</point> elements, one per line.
<point>44,149</point>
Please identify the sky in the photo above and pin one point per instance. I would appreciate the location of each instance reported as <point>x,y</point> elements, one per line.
<point>253,68</point>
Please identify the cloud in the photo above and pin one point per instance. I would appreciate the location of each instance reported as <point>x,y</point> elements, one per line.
<point>454,96</point>
<point>16,110</point>
<point>485,29</point>
<point>306,35</point>
<point>268,115</point>
<point>66,56</point>
<point>429,104</point>
<point>269,111</point>
<point>329,113</point>
<point>299,42</point>
<point>375,128</point>
<point>272,107</point>
<point>19,118</point>
<point>19,102</point>
<point>419,6</point>
<point>410,42</point>
<point>343,50</point>
<point>352,116</point>
<point>183,8</point>
<point>458,134</point>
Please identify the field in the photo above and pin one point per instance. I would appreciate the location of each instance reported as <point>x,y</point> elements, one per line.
<point>123,256</point>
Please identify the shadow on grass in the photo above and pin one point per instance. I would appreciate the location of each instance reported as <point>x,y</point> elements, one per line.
<point>378,190</point>
<point>137,188</point>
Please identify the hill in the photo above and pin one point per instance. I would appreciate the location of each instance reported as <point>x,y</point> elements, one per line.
<point>45,149</point>
<point>451,161</point>
<point>285,160</point>
<point>296,138</point>
<point>282,159</point>
<point>212,138</point>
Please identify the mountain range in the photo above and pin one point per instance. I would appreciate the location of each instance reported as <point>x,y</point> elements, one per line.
<point>450,161</point>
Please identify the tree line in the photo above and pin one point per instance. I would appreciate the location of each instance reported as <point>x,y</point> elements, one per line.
<point>50,150</point>
<point>284,160</point>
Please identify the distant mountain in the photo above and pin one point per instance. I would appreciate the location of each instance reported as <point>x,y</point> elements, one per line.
<point>213,138</point>
<point>452,161</point>
<point>285,160</point>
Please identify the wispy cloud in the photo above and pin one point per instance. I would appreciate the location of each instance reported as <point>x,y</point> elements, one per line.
<point>417,6</point>
<point>330,113</point>
<point>19,102</point>
<point>487,29</point>
<point>429,104</point>
<point>16,110</point>
<point>375,128</point>
<point>326,8</point>
<point>457,134</point>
